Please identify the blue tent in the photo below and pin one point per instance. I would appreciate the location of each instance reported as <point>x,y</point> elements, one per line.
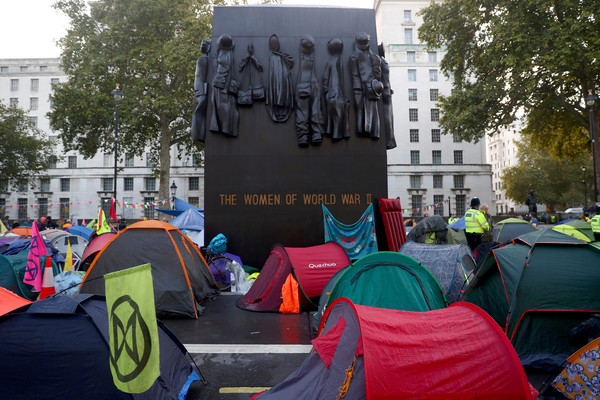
<point>459,224</point>
<point>190,219</point>
<point>59,348</point>
<point>82,231</point>
<point>180,206</point>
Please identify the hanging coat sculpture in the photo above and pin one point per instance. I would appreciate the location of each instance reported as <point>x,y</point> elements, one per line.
<point>225,114</point>
<point>201,94</point>
<point>280,92</point>
<point>309,116</point>
<point>386,97</point>
<point>333,87</point>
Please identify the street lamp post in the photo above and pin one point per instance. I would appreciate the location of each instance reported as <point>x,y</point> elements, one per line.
<point>584,190</point>
<point>590,102</point>
<point>117,96</point>
<point>173,188</point>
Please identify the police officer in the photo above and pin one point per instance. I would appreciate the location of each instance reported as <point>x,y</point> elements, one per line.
<point>476,224</point>
<point>595,222</point>
<point>452,219</point>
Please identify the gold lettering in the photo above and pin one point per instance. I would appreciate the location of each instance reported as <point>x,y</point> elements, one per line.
<point>350,198</point>
<point>228,199</point>
<point>369,198</point>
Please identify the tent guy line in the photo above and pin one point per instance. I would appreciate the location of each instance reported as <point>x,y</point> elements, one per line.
<point>248,349</point>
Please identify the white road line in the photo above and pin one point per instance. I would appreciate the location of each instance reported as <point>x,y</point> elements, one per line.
<point>249,348</point>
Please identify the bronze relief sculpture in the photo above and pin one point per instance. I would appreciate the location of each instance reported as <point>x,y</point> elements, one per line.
<point>280,91</point>
<point>225,115</point>
<point>201,94</point>
<point>367,86</point>
<point>386,97</point>
<point>333,87</point>
<point>309,116</point>
<point>251,84</point>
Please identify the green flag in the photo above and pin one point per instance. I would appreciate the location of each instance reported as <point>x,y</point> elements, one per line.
<point>133,334</point>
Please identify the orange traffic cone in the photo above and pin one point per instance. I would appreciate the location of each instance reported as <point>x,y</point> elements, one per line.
<point>47,280</point>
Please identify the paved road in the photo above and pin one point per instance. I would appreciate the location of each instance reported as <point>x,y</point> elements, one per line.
<point>242,352</point>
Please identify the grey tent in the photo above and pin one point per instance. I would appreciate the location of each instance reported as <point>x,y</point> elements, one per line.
<point>430,225</point>
<point>450,264</point>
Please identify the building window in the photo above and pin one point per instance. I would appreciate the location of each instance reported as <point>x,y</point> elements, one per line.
<point>22,187</point>
<point>72,162</point>
<point>107,185</point>
<point>415,181</point>
<point>149,161</point>
<point>408,36</point>
<point>414,136</point>
<point>434,94</point>
<point>129,160</point>
<point>35,85</point>
<point>412,94</point>
<point>149,211</point>
<point>194,183</point>
<point>436,156</point>
<point>33,122</point>
<point>54,81</point>
<point>416,202</point>
<point>458,157</point>
<point>108,160</point>
<point>415,157</point>
<point>459,181</point>
<point>150,184</point>
<point>105,204</point>
<point>455,139</point>
<point>461,201</point>
<point>3,69</point>
<point>412,75</point>
<point>65,211</point>
<point>44,184</point>
<point>413,114</point>
<point>65,184</point>
<point>410,57</point>
<point>23,68</point>
<point>194,200</point>
<point>13,102</point>
<point>436,136</point>
<point>435,114</point>
<point>438,181</point>
<point>433,75</point>
<point>33,103</point>
<point>2,208</point>
<point>42,207</point>
<point>3,185</point>
<point>127,184</point>
<point>407,15</point>
<point>438,199</point>
<point>22,213</point>
<point>14,85</point>
<point>432,56</point>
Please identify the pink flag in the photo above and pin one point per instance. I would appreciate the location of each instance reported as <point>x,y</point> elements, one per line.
<point>37,248</point>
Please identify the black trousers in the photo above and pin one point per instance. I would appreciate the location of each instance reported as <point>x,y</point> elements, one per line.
<point>597,236</point>
<point>473,239</point>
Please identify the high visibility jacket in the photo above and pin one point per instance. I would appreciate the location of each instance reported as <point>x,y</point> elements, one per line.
<point>452,220</point>
<point>596,224</point>
<point>475,221</point>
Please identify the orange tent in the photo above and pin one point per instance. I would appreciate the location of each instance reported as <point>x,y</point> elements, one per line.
<point>10,301</point>
<point>21,230</point>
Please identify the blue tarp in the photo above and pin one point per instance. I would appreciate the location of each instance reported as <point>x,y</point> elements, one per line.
<point>357,239</point>
<point>459,224</point>
<point>82,231</point>
<point>180,206</point>
<point>190,219</point>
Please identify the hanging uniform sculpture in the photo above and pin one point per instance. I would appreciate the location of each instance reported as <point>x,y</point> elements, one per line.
<point>280,92</point>
<point>309,116</point>
<point>201,94</point>
<point>225,115</point>
<point>386,97</point>
<point>367,87</point>
<point>337,103</point>
<point>251,85</point>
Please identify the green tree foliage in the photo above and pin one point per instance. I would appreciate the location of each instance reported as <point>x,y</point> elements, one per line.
<point>25,152</point>
<point>533,56</point>
<point>150,48</point>
<point>557,183</point>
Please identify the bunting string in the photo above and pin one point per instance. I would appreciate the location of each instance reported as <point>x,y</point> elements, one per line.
<point>78,203</point>
<point>425,208</point>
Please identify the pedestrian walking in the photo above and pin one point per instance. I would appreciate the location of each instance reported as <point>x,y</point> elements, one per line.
<point>475,223</point>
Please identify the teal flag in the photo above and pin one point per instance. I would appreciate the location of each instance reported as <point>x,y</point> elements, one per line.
<point>133,333</point>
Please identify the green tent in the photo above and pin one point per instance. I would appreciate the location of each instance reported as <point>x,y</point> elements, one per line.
<point>532,288</point>
<point>12,271</point>
<point>389,280</point>
<point>577,228</point>
<point>557,290</point>
<point>510,228</point>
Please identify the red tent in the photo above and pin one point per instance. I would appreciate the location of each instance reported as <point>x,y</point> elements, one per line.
<point>96,244</point>
<point>455,353</point>
<point>393,222</point>
<point>293,275</point>
<point>10,301</point>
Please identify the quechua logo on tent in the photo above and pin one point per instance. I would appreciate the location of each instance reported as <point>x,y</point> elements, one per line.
<point>321,265</point>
